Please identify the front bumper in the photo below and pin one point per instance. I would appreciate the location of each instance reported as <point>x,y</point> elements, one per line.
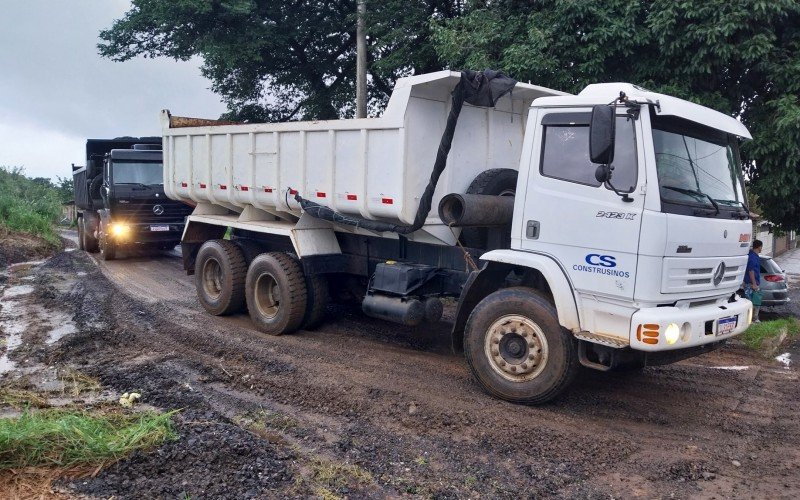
<point>697,325</point>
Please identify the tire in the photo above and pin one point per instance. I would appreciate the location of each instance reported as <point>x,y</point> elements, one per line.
<point>516,348</point>
<point>219,278</point>
<point>81,238</point>
<point>90,243</point>
<point>276,293</point>
<point>108,250</point>
<point>317,301</point>
<point>496,182</point>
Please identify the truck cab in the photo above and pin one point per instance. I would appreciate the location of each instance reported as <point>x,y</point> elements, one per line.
<point>652,246</point>
<point>122,199</point>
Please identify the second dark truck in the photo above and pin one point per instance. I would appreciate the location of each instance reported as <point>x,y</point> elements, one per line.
<point>120,198</point>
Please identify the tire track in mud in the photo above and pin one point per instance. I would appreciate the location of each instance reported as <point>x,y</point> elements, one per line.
<point>392,400</point>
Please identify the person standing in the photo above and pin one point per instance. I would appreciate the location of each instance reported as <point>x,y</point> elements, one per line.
<point>752,275</point>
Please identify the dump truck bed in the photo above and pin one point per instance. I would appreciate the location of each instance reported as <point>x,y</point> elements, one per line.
<point>376,168</point>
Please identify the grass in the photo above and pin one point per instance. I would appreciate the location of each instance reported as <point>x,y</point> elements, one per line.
<point>21,398</point>
<point>30,205</point>
<point>65,438</point>
<point>755,336</point>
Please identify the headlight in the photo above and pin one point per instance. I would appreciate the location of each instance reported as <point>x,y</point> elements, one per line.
<point>750,316</point>
<point>119,230</point>
<point>672,333</point>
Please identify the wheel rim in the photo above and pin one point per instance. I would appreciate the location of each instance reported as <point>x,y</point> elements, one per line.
<point>212,278</point>
<point>516,348</point>
<point>267,296</point>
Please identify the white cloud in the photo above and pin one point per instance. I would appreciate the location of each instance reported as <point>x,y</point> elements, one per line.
<point>56,91</point>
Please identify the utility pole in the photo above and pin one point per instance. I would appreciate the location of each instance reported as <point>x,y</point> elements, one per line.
<point>361,62</point>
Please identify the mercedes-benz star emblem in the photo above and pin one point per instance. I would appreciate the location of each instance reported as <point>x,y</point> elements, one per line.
<point>719,273</point>
<point>158,210</point>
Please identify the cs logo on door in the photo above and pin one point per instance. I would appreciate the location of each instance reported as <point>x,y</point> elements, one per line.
<point>595,259</point>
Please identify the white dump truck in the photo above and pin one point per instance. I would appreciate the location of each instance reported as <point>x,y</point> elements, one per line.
<point>608,229</point>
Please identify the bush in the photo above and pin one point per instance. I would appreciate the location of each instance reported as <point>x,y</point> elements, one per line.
<point>29,205</point>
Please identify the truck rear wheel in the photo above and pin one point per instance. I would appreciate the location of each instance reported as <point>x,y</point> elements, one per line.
<point>276,293</point>
<point>317,301</point>
<point>81,240</point>
<point>516,348</point>
<point>220,273</point>
<point>86,233</point>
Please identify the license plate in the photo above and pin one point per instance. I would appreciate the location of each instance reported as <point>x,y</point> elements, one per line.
<point>726,325</point>
<point>159,228</point>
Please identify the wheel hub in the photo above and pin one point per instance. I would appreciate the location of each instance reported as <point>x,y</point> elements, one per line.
<point>212,278</point>
<point>267,295</point>
<point>516,348</point>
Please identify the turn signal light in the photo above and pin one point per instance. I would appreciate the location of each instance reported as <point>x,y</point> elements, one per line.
<point>647,333</point>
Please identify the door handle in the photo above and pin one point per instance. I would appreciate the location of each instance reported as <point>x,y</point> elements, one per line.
<point>532,230</point>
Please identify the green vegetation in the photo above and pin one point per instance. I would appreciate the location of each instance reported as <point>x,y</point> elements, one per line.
<point>755,336</point>
<point>69,438</point>
<point>31,205</point>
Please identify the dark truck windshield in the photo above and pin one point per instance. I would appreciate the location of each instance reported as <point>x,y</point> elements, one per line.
<point>130,172</point>
<point>697,166</point>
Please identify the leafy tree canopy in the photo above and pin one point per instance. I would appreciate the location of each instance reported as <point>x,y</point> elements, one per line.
<point>274,60</point>
<point>739,57</point>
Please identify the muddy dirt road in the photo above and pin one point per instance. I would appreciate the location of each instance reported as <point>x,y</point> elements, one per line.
<point>361,408</point>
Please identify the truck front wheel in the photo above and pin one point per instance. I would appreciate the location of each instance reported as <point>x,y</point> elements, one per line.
<point>516,348</point>
<point>220,272</point>
<point>108,249</point>
<point>276,293</point>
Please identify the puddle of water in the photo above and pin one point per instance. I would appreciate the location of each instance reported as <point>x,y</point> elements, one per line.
<point>785,359</point>
<point>17,290</point>
<point>23,266</point>
<point>57,333</point>
<point>14,324</point>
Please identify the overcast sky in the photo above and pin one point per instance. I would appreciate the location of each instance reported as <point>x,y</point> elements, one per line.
<point>56,91</point>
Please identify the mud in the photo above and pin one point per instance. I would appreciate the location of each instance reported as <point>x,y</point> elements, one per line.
<point>361,408</point>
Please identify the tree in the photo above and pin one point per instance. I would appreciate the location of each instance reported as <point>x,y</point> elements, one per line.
<point>740,58</point>
<point>282,60</point>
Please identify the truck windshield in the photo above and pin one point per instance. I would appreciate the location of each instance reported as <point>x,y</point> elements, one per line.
<point>148,173</point>
<point>697,166</point>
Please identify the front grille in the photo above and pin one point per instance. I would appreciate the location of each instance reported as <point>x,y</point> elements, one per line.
<point>688,274</point>
<point>143,212</point>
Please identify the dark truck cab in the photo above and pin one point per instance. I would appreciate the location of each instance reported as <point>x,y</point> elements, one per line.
<point>120,198</point>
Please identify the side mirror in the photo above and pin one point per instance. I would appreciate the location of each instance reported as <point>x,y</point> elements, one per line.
<point>603,173</point>
<point>602,129</point>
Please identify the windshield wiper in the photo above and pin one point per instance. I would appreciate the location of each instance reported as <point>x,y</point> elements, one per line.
<point>744,213</point>
<point>136,184</point>
<point>696,193</point>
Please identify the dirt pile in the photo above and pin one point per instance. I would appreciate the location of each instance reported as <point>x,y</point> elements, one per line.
<point>21,247</point>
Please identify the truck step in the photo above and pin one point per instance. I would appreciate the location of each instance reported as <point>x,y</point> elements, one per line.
<point>599,338</point>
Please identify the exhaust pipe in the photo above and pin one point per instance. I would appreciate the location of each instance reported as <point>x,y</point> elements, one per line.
<point>476,210</point>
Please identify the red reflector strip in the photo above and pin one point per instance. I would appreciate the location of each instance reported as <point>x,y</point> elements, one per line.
<point>352,197</point>
<point>292,191</point>
<point>202,185</point>
<point>387,201</point>
<point>267,190</point>
<point>320,194</point>
<point>183,185</point>
<point>223,186</point>
<point>245,188</point>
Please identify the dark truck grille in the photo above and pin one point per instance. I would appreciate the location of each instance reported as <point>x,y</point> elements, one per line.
<point>137,212</point>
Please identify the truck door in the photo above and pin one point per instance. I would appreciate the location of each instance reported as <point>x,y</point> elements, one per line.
<point>570,216</point>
